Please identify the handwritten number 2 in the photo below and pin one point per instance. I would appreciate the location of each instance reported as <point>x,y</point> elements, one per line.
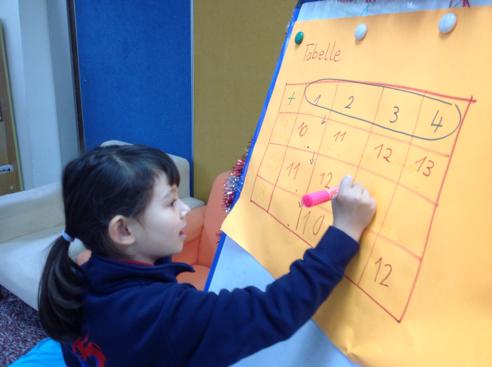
<point>349,105</point>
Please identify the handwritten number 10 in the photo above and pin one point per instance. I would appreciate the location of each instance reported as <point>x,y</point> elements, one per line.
<point>303,128</point>
<point>318,223</point>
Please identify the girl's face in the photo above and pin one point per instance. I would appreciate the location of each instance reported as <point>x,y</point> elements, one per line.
<point>159,231</point>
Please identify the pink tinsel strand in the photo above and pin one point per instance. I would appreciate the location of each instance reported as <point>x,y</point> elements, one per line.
<point>231,186</point>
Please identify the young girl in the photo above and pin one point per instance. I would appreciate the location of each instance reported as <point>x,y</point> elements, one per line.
<point>124,307</point>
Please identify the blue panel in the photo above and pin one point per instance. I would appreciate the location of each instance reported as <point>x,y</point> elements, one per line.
<point>135,72</point>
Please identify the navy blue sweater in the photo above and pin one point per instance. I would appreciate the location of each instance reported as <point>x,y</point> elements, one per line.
<point>137,315</point>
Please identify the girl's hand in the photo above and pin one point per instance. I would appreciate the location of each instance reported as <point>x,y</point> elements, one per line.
<point>353,208</point>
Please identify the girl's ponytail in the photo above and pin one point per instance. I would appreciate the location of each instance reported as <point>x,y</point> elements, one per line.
<point>60,294</point>
<point>102,183</point>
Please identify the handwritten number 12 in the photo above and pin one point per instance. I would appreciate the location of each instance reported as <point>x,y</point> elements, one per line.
<point>379,262</point>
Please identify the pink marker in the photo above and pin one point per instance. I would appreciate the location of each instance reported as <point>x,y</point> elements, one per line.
<point>319,197</point>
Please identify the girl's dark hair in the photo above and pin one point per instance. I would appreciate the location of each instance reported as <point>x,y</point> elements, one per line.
<point>104,182</point>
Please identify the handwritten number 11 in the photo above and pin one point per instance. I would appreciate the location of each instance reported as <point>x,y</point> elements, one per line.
<point>291,167</point>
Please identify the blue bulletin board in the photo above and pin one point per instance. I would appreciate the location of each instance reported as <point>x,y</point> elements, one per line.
<point>135,72</point>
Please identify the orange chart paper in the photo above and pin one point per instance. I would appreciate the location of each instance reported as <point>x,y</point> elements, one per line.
<point>408,113</point>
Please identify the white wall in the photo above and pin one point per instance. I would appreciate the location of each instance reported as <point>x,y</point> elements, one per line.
<point>63,79</point>
<point>39,61</point>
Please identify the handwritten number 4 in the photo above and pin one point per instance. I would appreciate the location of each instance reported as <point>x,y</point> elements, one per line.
<point>438,124</point>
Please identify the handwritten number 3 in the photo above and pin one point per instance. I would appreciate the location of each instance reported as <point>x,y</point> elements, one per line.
<point>396,109</point>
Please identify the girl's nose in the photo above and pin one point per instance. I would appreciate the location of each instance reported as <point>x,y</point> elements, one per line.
<point>183,209</point>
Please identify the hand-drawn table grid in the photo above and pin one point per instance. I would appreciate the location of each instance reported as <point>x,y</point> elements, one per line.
<point>398,141</point>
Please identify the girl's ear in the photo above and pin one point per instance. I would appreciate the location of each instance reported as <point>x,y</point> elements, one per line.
<point>120,232</point>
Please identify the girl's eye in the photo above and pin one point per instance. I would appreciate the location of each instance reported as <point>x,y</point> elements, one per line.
<point>173,203</point>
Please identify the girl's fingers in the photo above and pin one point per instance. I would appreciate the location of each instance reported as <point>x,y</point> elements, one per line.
<point>345,184</point>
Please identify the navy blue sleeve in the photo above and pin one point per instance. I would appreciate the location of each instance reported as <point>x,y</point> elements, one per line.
<point>218,330</point>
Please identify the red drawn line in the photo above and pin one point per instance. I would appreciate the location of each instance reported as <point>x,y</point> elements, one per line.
<point>285,153</point>
<point>387,239</point>
<point>258,205</point>
<point>282,224</point>
<point>422,196</point>
<point>396,86</point>
<point>357,171</point>
<point>253,189</point>
<point>392,194</point>
<point>470,101</point>
<point>373,299</point>
<point>368,135</point>
<point>317,152</point>
<point>269,141</point>
<point>327,210</point>
<point>293,147</point>
<point>264,179</point>
<point>382,135</point>
<point>298,217</point>
<point>252,201</point>
<point>285,190</point>
<point>400,246</point>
